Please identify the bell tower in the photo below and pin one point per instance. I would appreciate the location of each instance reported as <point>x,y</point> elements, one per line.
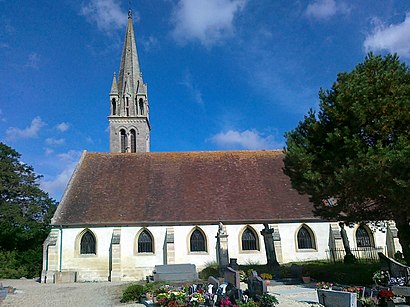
<point>129,108</point>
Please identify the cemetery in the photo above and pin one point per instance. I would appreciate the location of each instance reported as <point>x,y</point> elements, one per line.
<point>172,285</point>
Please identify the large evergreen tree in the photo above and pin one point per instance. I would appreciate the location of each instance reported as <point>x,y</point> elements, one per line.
<point>25,213</point>
<point>353,156</point>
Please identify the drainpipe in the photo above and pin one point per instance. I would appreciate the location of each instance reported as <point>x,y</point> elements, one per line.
<point>61,246</point>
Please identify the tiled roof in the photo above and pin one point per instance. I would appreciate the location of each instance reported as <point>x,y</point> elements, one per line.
<point>181,188</point>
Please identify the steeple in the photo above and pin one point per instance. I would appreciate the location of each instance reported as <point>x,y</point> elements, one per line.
<point>129,111</point>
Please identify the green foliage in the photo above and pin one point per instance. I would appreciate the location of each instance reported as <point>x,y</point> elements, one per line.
<point>133,293</point>
<point>352,156</point>
<point>25,213</point>
<point>268,300</point>
<point>211,269</point>
<point>360,274</point>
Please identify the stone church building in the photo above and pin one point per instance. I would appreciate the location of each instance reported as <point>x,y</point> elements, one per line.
<point>125,211</point>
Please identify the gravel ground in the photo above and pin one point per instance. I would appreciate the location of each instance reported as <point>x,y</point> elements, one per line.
<point>31,293</point>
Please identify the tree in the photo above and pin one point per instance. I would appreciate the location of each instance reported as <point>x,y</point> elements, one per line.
<point>25,214</point>
<point>352,157</point>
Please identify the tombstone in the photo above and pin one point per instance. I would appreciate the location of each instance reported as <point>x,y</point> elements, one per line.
<point>256,285</point>
<point>175,272</point>
<point>214,282</point>
<point>267,234</point>
<point>232,277</point>
<point>222,248</point>
<point>331,298</point>
<point>296,271</point>
<point>233,263</point>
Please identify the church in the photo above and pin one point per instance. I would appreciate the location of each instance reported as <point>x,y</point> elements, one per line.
<point>125,211</point>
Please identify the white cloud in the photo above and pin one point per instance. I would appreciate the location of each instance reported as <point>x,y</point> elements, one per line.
<point>194,91</point>
<point>52,141</point>
<point>324,9</point>
<point>70,156</point>
<point>56,185</point>
<point>63,127</point>
<point>393,38</point>
<point>106,14</point>
<point>208,21</point>
<point>48,151</point>
<point>248,139</point>
<point>32,131</point>
<point>33,60</point>
<point>150,43</point>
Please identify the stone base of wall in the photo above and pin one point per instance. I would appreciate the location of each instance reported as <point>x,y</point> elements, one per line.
<point>65,277</point>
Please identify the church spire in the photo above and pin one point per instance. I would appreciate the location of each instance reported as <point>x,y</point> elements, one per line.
<point>114,87</point>
<point>129,111</point>
<point>130,75</point>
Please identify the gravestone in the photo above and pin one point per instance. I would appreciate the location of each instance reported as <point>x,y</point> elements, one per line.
<point>296,272</point>
<point>175,272</point>
<point>256,285</point>
<point>232,277</point>
<point>331,298</point>
<point>215,284</point>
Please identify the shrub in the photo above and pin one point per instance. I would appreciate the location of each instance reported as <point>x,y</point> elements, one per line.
<point>267,300</point>
<point>132,293</point>
<point>211,269</point>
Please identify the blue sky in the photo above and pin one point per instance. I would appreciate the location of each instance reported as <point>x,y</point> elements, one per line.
<point>221,74</point>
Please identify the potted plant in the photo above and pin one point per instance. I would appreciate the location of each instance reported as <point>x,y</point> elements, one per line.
<point>267,277</point>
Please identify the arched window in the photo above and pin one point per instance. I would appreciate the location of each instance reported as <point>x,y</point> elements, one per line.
<point>249,240</point>
<point>127,107</point>
<point>145,242</point>
<point>305,238</point>
<point>87,244</point>
<point>114,106</point>
<point>141,106</point>
<point>197,241</point>
<point>124,140</point>
<point>363,238</point>
<point>133,141</point>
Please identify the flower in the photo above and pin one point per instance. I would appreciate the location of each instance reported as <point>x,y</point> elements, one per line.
<point>385,294</point>
<point>381,277</point>
<point>266,276</point>
<point>324,285</point>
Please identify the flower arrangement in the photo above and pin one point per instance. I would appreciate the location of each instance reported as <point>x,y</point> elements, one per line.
<point>324,285</point>
<point>171,297</point>
<point>381,277</point>
<point>356,290</point>
<point>225,302</point>
<point>385,295</point>
<point>196,298</point>
<point>367,301</point>
<point>266,276</point>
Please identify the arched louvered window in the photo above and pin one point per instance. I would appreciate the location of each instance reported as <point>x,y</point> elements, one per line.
<point>133,141</point>
<point>145,242</point>
<point>141,106</point>
<point>249,240</point>
<point>87,244</point>
<point>305,238</point>
<point>123,140</point>
<point>127,106</point>
<point>363,238</point>
<point>114,107</point>
<point>197,241</point>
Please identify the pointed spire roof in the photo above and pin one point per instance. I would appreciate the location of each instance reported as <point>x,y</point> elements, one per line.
<point>114,87</point>
<point>130,74</point>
